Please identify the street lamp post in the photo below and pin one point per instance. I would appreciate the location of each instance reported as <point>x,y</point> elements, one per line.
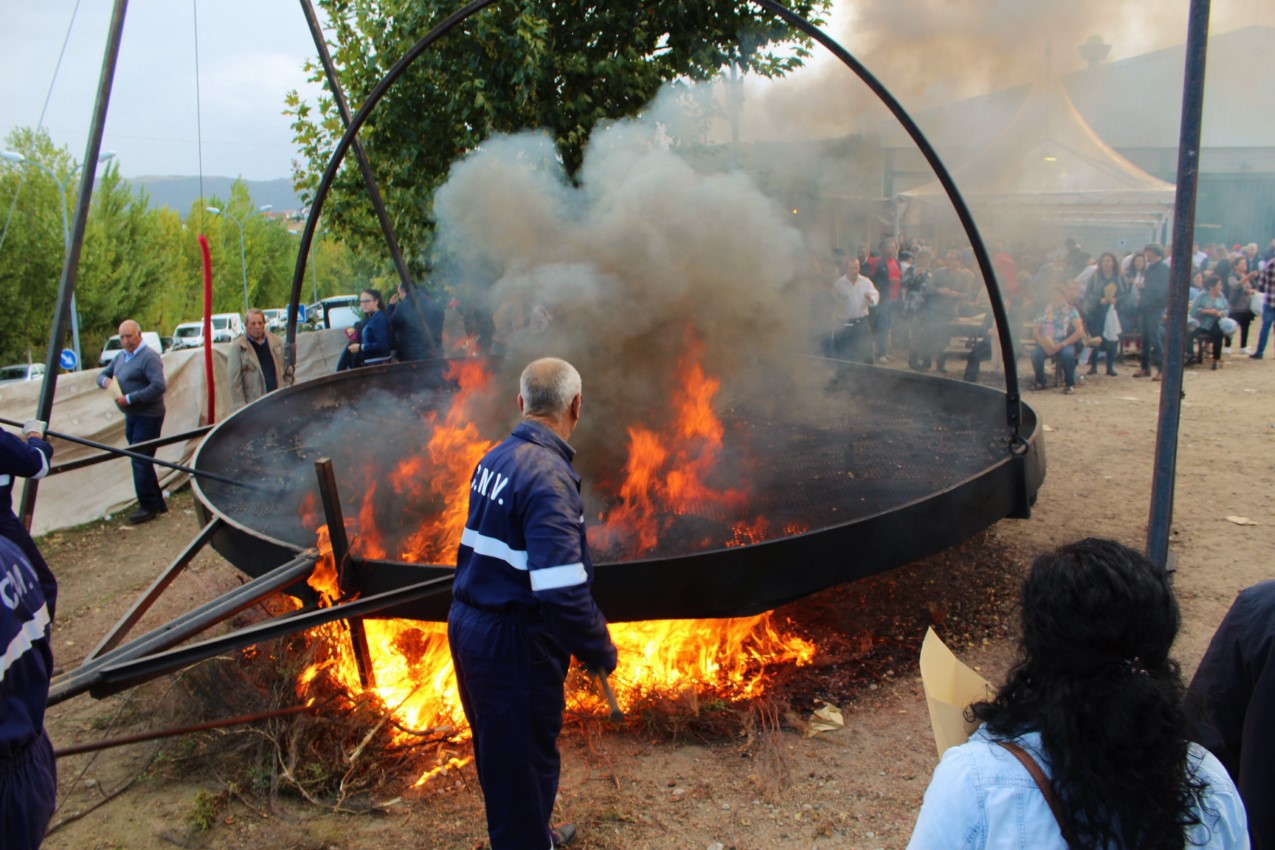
<point>15,157</point>
<point>243,257</point>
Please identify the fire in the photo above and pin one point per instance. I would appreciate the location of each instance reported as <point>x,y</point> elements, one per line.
<point>666,470</point>
<point>668,473</point>
<point>731,656</point>
<point>416,682</point>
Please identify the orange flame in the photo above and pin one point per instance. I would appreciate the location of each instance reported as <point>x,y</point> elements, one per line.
<point>666,471</point>
<point>665,476</point>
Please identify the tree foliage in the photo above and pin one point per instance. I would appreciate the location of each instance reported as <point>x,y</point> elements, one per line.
<point>136,262</point>
<point>523,64</point>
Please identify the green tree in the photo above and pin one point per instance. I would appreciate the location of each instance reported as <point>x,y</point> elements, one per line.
<point>524,64</point>
<point>34,245</point>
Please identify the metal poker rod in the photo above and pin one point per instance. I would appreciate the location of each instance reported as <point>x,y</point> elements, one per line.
<point>211,476</point>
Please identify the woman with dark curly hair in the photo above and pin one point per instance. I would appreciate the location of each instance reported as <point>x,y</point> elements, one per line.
<point>1086,745</point>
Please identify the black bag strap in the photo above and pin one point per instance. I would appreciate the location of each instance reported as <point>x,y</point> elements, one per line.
<point>1042,782</point>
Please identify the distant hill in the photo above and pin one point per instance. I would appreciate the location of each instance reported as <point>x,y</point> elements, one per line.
<point>179,193</point>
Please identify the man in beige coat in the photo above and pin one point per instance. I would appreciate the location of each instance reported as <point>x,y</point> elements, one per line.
<point>255,362</point>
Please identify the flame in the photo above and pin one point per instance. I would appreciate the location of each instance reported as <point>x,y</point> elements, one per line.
<point>666,475</point>
<point>730,656</point>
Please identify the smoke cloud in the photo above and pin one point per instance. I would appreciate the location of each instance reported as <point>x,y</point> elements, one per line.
<point>621,273</point>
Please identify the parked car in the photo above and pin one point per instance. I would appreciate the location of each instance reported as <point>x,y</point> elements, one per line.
<point>21,372</point>
<point>113,346</point>
<point>188,335</point>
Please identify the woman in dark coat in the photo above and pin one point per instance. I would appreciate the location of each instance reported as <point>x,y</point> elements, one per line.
<point>375,341</point>
<point>1107,290</point>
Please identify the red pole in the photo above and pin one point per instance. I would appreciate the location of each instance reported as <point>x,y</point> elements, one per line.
<point>208,351</point>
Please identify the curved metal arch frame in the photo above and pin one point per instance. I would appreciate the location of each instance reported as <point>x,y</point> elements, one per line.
<point>1013,408</point>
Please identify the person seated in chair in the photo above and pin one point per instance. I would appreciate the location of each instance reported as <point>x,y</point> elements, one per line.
<point>1209,309</point>
<point>1057,331</point>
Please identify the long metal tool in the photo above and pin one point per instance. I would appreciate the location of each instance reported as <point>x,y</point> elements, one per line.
<point>617,716</point>
<point>211,476</point>
<point>158,442</point>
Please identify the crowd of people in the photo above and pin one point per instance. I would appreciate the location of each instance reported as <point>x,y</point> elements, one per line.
<point>1082,311</point>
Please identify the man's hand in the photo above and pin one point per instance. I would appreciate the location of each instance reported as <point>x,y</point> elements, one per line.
<point>121,402</point>
<point>35,428</point>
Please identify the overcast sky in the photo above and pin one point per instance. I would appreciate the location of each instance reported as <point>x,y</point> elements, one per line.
<point>251,52</point>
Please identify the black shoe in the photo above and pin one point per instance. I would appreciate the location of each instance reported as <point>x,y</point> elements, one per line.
<point>163,508</point>
<point>1112,373</point>
<point>1093,371</point>
<point>1255,357</point>
<point>141,515</point>
<point>563,834</point>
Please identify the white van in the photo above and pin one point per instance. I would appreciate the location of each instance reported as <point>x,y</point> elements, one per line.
<point>226,326</point>
<point>113,346</point>
<point>188,335</point>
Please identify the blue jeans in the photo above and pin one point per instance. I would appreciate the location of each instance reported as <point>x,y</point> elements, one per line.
<point>1268,318</point>
<point>881,319</point>
<point>1066,356</point>
<point>1152,331</point>
<point>139,429</point>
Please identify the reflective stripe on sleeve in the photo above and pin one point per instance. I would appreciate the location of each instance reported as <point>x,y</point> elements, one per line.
<point>493,548</point>
<point>44,466</point>
<point>30,632</point>
<point>5,479</point>
<point>568,575</point>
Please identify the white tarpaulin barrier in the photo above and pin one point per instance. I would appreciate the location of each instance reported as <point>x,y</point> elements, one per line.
<point>80,409</point>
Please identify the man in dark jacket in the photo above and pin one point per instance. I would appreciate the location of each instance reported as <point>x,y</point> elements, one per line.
<point>1233,700</point>
<point>417,321</point>
<point>521,607</point>
<point>1152,302</point>
<point>138,376</point>
<point>28,776</point>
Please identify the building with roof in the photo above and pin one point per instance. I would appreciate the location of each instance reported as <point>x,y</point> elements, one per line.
<point>1133,108</point>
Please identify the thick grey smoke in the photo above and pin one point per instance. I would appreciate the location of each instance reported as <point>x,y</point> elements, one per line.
<point>621,274</point>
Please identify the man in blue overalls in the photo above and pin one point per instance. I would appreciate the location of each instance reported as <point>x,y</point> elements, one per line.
<point>28,776</point>
<point>522,607</point>
<point>25,458</point>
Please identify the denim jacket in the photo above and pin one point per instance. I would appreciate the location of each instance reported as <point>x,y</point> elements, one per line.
<point>982,797</point>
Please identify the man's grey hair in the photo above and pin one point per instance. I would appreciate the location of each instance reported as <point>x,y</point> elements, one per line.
<point>548,386</point>
<point>257,310</point>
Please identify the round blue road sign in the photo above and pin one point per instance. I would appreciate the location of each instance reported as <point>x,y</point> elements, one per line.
<point>68,360</point>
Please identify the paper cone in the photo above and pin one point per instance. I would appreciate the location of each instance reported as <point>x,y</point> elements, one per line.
<point>950,687</point>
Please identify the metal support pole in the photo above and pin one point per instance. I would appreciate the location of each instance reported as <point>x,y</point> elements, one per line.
<point>369,180</point>
<point>175,631</point>
<point>243,264</point>
<point>1166,444</point>
<point>157,587</point>
<point>125,673</point>
<point>365,167</point>
<point>71,262</point>
<point>331,500</point>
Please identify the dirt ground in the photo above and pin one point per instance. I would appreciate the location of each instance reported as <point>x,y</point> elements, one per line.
<point>765,787</point>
